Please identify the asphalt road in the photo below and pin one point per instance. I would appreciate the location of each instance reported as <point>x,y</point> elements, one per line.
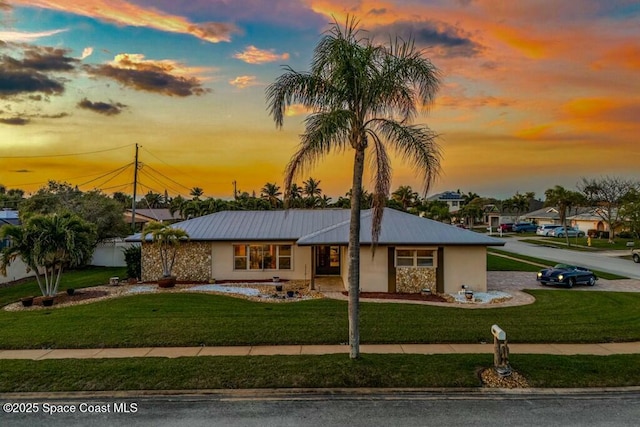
<point>266,409</point>
<point>595,260</point>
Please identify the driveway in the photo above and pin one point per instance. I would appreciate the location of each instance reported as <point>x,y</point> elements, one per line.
<point>510,281</point>
<point>602,261</point>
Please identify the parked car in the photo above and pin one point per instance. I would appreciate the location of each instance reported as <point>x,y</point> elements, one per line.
<point>635,255</point>
<point>568,275</point>
<point>507,226</point>
<point>571,232</point>
<point>524,227</point>
<point>545,230</point>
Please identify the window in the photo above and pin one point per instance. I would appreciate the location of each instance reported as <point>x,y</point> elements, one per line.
<point>262,257</point>
<point>415,258</point>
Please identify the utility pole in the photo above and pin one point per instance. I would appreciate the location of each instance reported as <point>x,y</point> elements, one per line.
<point>135,185</point>
<point>235,191</point>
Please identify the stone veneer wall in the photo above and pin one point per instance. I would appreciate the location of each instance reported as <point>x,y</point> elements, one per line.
<point>193,262</point>
<point>413,280</point>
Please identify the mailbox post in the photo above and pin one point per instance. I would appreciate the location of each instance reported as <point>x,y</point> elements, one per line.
<point>500,351</point>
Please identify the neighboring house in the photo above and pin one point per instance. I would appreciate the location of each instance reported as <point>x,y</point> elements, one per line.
<point>551,216</point>
<point>453,199</point>
<point>413,253</point>
<point>544,216</point>
<point>491,216</point>
<point>589,220</point>
<point>145,215</point>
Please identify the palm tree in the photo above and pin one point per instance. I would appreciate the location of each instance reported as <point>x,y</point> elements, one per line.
<point>294,196</point>
<point>270,193</point>
<point>166,238</point>
<point>47,244</point>
<point>564,200</point>
<point>362,95</point>
<point>196,193</point>
<point>311,189</point>
<point>405,196</point>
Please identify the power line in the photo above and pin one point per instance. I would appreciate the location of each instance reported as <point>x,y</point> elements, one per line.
<point>115,171</point>
<point>64,155</point>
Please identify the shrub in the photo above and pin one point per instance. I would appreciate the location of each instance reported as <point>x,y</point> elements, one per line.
<point>133,258</point>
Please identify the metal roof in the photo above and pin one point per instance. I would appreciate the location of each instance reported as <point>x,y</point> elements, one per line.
<point>400,228</point>
<point>325,226</point>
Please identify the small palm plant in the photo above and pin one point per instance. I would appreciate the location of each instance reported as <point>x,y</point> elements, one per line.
<point>166,239</point>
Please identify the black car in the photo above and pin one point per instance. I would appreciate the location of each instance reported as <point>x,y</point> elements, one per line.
<point>568,275</point>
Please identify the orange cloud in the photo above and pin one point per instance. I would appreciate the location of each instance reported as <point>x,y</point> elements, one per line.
<point>122,12</point>
<point>626,55</point>
<point>137,61</point>
<point>244,81</point>
<point>253,55</point>
<point>535,132</point>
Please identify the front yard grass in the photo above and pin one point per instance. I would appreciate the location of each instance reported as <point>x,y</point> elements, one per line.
<point>185,319</point>
<point>324,371</point>
<point>77,279</point>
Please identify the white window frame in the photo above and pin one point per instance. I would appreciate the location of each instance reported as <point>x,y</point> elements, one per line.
<point>247,256</point>
<point>414,257</point>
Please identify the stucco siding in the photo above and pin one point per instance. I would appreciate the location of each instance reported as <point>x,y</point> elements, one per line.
<point>465,266</point>
<point>373,271</point>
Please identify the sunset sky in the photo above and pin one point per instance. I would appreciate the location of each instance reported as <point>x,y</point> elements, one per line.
<point>534,92</point>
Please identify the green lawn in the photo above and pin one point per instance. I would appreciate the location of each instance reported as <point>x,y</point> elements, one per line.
<point>581,243</point>
<point>325,371</point>
<point>77,279</point>
<point>184,319</point>
<point>174,319</point>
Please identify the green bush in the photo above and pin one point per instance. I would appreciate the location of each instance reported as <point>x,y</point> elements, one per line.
<point>133,258</point>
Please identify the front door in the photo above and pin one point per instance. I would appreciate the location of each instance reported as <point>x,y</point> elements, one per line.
<point>327,260</point>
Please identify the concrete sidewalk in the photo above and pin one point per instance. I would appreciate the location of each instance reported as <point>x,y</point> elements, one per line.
<point>603,349</point>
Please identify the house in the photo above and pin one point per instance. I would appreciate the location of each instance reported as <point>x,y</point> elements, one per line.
<point>142,216</point>
<point>589,220</point>
<point>577,216</point>
<point>453,199</point>
<point>413,253</point>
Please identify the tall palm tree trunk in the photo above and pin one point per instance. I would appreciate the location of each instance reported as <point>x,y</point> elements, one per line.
<point>354,255</point>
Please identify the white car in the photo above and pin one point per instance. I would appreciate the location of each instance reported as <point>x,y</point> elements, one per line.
<point>545,230</point>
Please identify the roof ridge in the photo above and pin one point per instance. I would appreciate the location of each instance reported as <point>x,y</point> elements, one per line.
<point>363,213</point>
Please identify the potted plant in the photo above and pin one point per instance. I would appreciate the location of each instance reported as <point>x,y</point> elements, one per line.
<point>27,301</point>
<point>47,301</point>
<point>166,239</point>
<point>71,291</point>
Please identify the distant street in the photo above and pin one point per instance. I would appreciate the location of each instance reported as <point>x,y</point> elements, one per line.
<point>265,409</point>
<point>595,260</point>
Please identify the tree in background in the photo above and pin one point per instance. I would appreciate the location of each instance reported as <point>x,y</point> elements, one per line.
<point>312,192</point>
<point>563,200</point>
<point>271,193</point>
<point>47,244</point>
<point>363,96</point>
<point>607,194</point>
<point>406,197</point>
<point>92,206</point>
<point>630,211</point>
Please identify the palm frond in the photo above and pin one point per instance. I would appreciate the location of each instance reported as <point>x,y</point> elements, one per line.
<point>416,145</point>
<point>380,163</point>
<point>325,132</point>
